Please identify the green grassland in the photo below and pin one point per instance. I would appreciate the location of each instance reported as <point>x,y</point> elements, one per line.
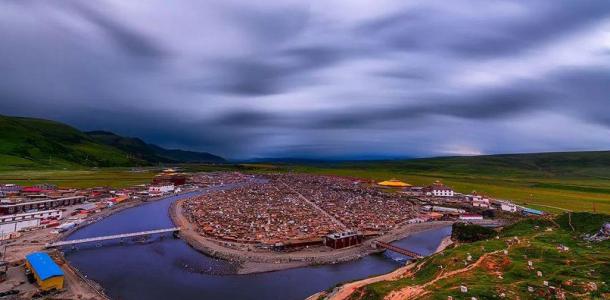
<point>497,273</point>
<point>553,182</point>
<point>79,177</point>
<point>115,178</point>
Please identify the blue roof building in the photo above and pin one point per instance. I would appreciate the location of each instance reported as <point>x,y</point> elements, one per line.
<point>531,211</point>
<point>47,273</point>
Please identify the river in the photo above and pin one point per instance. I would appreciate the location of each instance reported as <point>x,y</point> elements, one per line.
<point>167,268</point>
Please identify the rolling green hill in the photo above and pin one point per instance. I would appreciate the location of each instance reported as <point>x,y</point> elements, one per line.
<point>29,143</point>
<point>559,257</point>
<point>150,152</point>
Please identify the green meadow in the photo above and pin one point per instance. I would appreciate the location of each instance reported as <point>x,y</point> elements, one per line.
<point>80,177</point>
<point>553,182</point>
<point>115,178</point>
<point>582,271</point>
<point>548,194</point>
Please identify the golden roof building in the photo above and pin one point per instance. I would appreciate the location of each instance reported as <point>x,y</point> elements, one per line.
<point>394,183</point>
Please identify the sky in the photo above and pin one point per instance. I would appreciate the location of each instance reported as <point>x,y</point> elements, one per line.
<point>316,79</point>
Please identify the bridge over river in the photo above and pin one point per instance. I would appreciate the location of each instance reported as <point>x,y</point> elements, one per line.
<point>111,237</point>
<point>397,249</point>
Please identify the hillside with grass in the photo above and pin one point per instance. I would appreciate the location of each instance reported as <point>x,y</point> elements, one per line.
<point>33,143</point>
<point>151,152</point>
<point>29,143</point>
<point>532,259</point>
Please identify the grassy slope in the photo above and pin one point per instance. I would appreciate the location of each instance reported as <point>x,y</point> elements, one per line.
<point>150,152</point>
<point>583,263</point>
<point>128,145</point>
<point>576,181</point>
<point>29,143</point>
<point>34,143</point>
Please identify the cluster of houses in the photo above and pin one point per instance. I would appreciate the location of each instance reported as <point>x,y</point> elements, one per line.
<point>438,193</point>
<point>24,208</point>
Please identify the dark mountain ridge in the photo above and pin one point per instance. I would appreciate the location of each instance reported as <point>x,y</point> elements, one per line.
<point>32,142</point>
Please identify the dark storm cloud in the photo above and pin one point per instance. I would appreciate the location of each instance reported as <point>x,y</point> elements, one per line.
<point>493,104</point>
<point>250,77</point>
<point>585,92</point>
<point>243,79</point>
<point>488,105</point>
<point>246,119</point>
<point>475,34</point>
<point>128,40</point>
<point>270,25</point>
<point>267,73</point>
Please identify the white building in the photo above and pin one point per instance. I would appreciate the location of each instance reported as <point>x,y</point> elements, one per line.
<point>439,190</point>
<point>507,206</point>
<point>161,189</point>
<point>443,209</point>
<point>18,222</point>
<point>479,201</point>
<point>14,226</point>
<point>45,214</point>
<point>470,217</point>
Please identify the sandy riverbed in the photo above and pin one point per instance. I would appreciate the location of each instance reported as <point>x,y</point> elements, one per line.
<point>255,261</point>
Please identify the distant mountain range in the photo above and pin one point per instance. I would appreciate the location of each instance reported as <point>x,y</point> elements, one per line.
<point>35,143</point>
<point>31,142</point>
<point>151,152</point>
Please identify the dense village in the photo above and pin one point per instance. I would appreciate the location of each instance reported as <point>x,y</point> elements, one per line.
<point>274,212</point>
<point>292,211</point>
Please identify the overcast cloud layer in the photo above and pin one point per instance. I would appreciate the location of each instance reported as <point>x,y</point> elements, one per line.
<point>316,78</point>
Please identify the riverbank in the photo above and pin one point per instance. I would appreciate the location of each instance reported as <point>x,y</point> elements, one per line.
<point>251,260</point>
<point>114,210</point>
<point>345,291</point>
<point>77,286</point>
<point>446,242</point>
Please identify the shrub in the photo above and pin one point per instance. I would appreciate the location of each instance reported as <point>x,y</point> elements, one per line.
<point>471,233</point>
